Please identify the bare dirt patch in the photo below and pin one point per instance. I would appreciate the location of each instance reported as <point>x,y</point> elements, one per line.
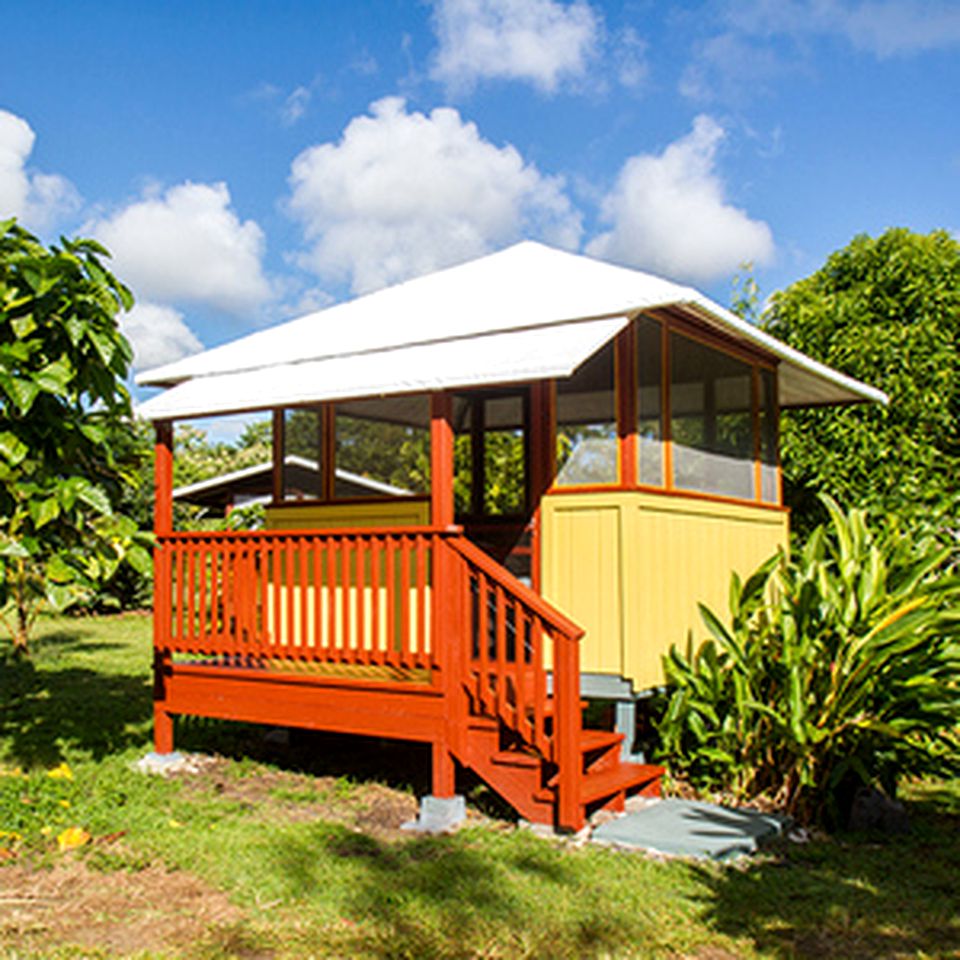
<point>153,910</point>
<point>374,808</point>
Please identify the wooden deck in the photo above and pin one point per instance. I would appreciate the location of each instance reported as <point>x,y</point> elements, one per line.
<point>411,633</point>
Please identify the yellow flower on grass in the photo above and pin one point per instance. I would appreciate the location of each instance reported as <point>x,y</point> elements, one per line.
<point>71,838</point>
<point>64,803</point>
<point>46,831</point>
<point>63,772</point>
<point>175,823</point>
<point>10,835</point>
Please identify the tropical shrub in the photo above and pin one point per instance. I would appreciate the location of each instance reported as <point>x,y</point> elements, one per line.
<point>838,667</point>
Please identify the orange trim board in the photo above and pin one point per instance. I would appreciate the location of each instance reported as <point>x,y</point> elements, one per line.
<point>338,708</point>
<point>675,493</point>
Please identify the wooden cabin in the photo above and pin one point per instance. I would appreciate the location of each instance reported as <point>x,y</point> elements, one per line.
<point>584,453</point>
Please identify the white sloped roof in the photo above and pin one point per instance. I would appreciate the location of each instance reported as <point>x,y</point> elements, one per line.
<point>528,312</point>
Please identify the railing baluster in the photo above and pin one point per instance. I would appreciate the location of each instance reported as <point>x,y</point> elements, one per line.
<point>275,596</point>
<point>363,652</point>
<point>346,626</point>
<point>520,674</point>
<point>263,609</point>
<point>376,641</point>
<point>391,640</point>
<point>191,592</point>
<point>331,638</point>
<point>500,619</point>
<point>230,593</point>
<point>178,631</point>
<point>422,657</point>
<point>239,600</point>
<point>290,600</point>
<point>405,601</point>
<point>303,593</point>
<point>539,690</point>
<point>483,641</point>
<point>318,595</point>
<point>202,597</point>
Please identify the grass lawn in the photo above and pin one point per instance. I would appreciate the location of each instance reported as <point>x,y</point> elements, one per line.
<point>279,848</point>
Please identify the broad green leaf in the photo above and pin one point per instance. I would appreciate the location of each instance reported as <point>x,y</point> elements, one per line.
<point>23,326</point>
<point>44,511</point>
<point>94,497</point>
<point>12,448</point>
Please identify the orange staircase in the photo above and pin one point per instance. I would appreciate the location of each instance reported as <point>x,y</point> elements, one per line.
<point>519,725</point>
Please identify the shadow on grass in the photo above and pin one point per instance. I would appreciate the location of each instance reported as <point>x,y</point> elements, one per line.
<point>852,896</point>
<point>60,641</point>
<point>445,897</point>
<point>43,710</point>
<point>401,764</point>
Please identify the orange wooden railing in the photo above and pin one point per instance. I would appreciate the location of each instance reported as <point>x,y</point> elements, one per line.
<point>355,596</point>
<point>416,597</point>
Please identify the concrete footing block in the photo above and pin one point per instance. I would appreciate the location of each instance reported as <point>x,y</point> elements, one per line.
<point>438,815</point>
<point>167,764</point>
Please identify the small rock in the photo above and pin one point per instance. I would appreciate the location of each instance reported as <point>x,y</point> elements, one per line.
<point>167,764</point>
<point>874,810</point>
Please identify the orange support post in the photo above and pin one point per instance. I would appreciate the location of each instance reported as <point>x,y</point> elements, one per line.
<point>278,443</point>
<point>163,479</point>
<point>626,392</point>
<point>162,525</point>
<point>566,682</point>
<point>446,634</point>
<point>441,459</point>
<point>444,770</point>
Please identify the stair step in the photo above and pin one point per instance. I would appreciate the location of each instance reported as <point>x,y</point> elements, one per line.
<point>605,783</point>
<point>482,723</point>
<point>514,758</point>
<point>591,740</point>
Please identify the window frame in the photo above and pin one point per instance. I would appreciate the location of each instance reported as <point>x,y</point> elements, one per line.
<point>328,413</point>
<point>626,378</point>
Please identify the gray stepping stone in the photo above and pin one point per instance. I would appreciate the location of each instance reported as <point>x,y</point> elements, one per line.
<point>692,828</point>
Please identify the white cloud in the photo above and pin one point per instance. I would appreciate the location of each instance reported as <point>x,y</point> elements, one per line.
<point>295,105</point>
<point>731,67</point>
<point>757,41</point>
<point>630,58</point>
<point>882,27</point>
<point>402,194</point>
<point>188,245</point>
<point>158,335</point>
<point>542,42</point>
<point>668,213</point>
<point>38,199</point>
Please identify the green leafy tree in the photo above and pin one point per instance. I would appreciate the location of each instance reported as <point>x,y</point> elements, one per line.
<point>63,405</point>
<point>887,311</point>
<point>745,299</point>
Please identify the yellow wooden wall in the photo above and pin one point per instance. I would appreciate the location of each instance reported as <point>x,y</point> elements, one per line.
<point>398,512</point>
<point>630,568</point>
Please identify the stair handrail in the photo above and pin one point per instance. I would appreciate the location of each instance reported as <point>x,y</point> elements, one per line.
<point>561,623</point>
<point>567,721</point>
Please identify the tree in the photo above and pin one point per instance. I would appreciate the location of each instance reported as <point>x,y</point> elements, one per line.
<point>887,311</point>
<point>63,404</point>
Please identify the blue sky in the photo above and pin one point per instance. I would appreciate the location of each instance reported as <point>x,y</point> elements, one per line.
<point>247,162</point>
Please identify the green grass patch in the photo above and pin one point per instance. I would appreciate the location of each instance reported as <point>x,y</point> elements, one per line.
<point>285,847</point>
